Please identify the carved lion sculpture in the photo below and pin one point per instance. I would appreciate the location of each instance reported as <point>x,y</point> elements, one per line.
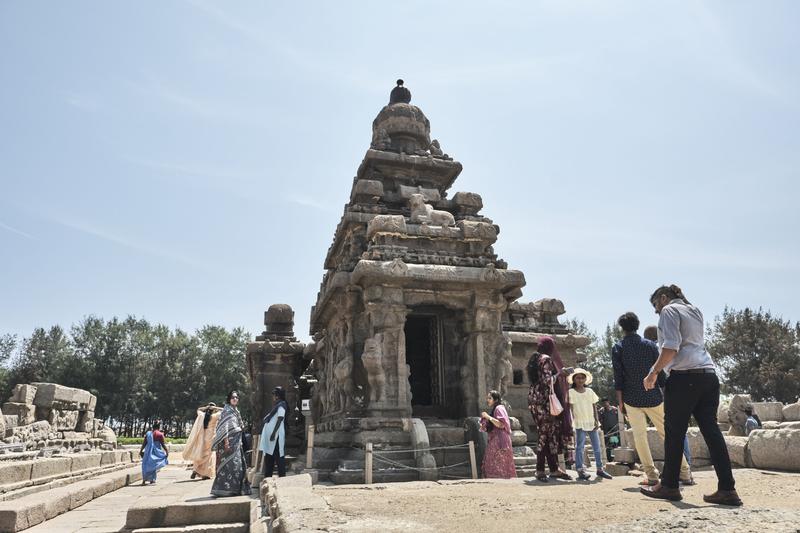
<point>372,358</point>
<point>343,375</point>
<point>422,213</point>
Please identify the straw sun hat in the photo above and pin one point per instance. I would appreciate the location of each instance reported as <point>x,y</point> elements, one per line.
<point>580,371</point>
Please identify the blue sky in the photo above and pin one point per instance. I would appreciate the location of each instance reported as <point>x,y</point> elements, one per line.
<point>188,161</point>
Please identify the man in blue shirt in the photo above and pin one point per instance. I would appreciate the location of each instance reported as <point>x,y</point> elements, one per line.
<point>632,358</point>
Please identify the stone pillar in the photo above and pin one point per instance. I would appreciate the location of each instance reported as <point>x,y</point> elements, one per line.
<point>483,330</point>
<point>387,318</point>
<point>275,359</point>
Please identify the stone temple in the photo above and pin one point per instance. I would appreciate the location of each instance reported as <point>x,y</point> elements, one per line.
<point>415,319</point>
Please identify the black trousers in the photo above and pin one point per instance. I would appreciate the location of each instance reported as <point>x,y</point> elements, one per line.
<point>270,460</point>
<point>686,395</point>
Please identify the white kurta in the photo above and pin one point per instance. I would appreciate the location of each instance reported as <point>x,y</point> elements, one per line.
<point>268,446</point>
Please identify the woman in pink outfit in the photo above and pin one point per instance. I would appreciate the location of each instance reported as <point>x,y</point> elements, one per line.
<point>498,459</point>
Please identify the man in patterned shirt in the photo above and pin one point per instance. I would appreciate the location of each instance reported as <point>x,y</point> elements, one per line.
<point>632,358</point>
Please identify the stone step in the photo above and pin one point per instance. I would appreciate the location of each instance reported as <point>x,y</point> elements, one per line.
<point>28,511</point>
<point>234,527</point>
<point>526,471</point>
<point>155,513</point>
<point>524,461</point>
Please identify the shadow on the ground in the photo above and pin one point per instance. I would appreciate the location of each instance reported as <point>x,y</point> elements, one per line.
<point>201,499</point>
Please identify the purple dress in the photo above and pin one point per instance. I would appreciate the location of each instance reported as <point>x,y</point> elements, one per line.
<point>498,459</point>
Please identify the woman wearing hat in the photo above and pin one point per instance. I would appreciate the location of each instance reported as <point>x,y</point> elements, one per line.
<point>583,402</point>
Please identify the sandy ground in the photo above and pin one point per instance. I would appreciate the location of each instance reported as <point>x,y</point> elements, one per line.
<point>772,503</point>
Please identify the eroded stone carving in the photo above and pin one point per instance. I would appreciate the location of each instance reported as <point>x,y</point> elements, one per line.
<point>422,213</point>
<point>372,358</point>
<point>343,374</point>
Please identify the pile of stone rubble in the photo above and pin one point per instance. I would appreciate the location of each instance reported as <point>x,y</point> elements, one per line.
<point>41,416</point>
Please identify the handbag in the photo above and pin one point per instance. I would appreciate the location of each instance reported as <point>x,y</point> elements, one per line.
<point>555,404</point>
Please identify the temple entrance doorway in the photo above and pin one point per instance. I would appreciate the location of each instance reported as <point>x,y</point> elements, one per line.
<point>430,361</point>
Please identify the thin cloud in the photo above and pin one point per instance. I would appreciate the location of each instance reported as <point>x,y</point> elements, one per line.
<point>307,201</point>
<point>17,231</point>
<point>105,235</point>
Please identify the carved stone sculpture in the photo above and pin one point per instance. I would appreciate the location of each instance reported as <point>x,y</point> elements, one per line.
<point>436,150</point>
<point>372,358</point>
<point>343,374</point>
<point>422,213</point>
<point>504,371</point>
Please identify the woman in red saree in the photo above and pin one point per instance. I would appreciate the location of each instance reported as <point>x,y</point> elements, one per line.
<point>498,459</point>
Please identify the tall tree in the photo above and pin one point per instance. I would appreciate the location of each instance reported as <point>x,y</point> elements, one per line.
<point>598,355</point>
<point>759,354</point>
<point>8,345</point>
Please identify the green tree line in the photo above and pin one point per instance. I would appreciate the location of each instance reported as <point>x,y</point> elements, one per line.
<point>140,372</point>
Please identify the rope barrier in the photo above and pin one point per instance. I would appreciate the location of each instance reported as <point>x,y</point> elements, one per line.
<point>417,468</point>
<point>422,450</point>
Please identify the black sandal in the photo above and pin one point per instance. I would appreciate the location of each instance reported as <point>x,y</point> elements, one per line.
<point>541,476</point>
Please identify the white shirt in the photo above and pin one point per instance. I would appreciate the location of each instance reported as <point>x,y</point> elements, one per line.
<point>680,328</point>
<point>268,446</point>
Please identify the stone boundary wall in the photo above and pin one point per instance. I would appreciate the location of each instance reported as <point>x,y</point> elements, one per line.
<point>23,513</point>
<point>15,475</point>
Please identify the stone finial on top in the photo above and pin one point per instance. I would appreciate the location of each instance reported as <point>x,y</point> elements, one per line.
<point>278,322</point>
<point>400,94</point>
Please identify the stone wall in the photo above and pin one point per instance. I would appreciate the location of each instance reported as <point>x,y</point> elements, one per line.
<point>48,415</point>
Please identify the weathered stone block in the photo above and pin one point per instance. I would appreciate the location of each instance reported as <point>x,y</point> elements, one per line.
<point>469,202</point>
<point>38,431</point>
<point>15,471</point>
<point>736,414</point>
<point>789,425</point>
<point>367,189</point>
<point>92,403</point>
<point>26,413</point>
<point>2,425</point>
<point>80,493</point>
<point>11,421</point>
<point>791,413</point>
<point>85,421</point>
<point>108,458</point>
<point>102,486</point>
<point>55,466</point>
<point>518,438</point>
<point>769,411</point>
<point>107,435</point>
<point>482,231</point>
<point>85,461</point>
<point>16,517</point>
<point>697,444</point>
<point>122,456</point>
<point>386,224</point>
<point>56,504</point>
<point>777,449</point>
<point>654,441</point>
<point>23,393</point>
<point>738,452</point>
<point>48,393</point>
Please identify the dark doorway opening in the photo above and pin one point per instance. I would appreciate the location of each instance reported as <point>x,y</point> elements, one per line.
<point>419,356</point>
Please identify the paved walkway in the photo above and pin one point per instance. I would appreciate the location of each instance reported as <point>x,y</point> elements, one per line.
<point>107,513</point>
